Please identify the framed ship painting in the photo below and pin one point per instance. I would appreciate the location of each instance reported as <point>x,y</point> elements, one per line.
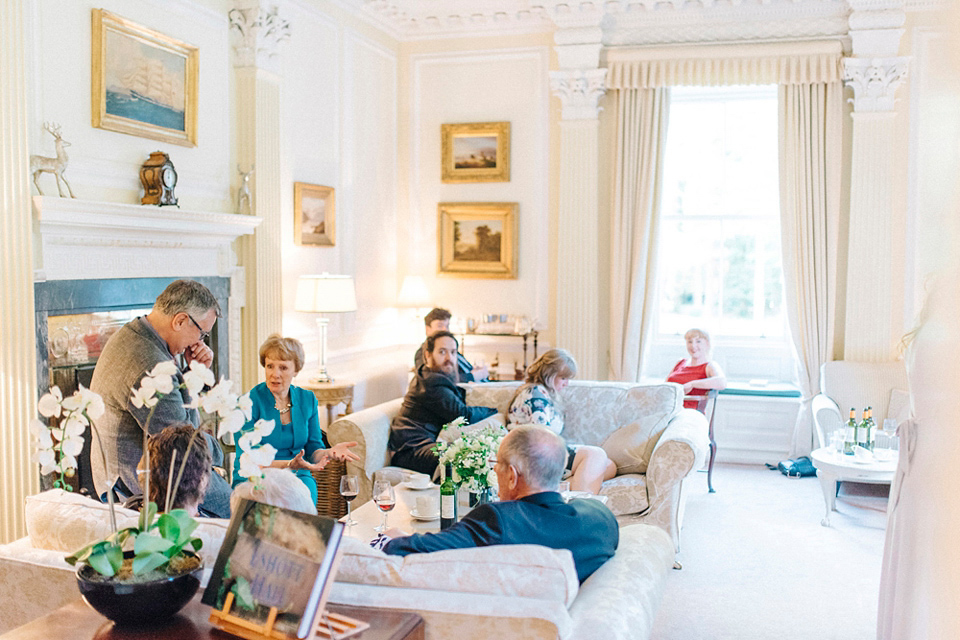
<point>144,83</point>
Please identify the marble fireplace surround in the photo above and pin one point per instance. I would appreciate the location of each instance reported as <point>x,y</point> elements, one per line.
<point>88,240</point>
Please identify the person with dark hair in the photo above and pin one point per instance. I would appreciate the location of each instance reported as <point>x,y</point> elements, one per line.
<point>439,320</point>
<point>529,465</point>
<point>177,327</point>
<point>433,399</point>
<point>296,433</point>
<point>167,451</point>
<point>538,402</point>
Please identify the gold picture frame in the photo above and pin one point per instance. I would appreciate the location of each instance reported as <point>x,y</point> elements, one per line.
<point>143,82</point>
<point>314,221</point>
<point>490,252</point>
<point>476,152</point>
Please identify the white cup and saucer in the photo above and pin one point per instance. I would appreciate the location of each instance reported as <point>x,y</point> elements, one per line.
<point>428,508</point>
<point>419,482</point>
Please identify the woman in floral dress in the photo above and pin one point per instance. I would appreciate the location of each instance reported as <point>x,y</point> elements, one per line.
<point>537,402</point>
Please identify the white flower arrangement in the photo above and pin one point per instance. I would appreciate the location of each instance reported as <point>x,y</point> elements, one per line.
<point>154,542</point>
<point>471,455</point>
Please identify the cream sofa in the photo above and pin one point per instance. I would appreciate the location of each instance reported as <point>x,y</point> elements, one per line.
<point>655,442</point>
<point>517,591</point>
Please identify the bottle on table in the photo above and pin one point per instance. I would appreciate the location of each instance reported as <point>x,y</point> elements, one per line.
<point>871,429</point>
<point>448,498</point>
<point>850,433</point>
<point>864,426</point>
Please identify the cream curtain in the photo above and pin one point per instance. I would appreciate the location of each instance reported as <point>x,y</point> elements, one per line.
<point>641,133</point>
<point>810,167</point>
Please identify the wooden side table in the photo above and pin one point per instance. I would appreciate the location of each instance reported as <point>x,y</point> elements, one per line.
<point>76,621</point>
<point>330,394</point>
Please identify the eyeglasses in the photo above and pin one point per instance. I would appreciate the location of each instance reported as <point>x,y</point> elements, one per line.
<point>203,334</point>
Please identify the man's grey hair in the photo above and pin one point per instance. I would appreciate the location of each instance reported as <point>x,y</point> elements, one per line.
<point>538,454</point>
<point>280,488</point>
<point>186,296</point>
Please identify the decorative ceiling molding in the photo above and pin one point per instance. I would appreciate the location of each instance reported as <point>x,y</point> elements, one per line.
<point>624,22</point>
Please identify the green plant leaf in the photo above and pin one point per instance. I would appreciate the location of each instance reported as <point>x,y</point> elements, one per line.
<point>149,543</point>
<point>106,561</point>
<point>147,513</point>
<point>243,595</point>
<point>187,524</point>
<point>197,543</point>
<point>169,528</point>
<point>148,561</point>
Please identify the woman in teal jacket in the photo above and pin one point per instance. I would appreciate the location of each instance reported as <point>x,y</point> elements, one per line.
<point>296,434</point>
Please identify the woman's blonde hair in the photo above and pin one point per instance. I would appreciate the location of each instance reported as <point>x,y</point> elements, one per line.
<point>553,364</point>
<point>276,347</point>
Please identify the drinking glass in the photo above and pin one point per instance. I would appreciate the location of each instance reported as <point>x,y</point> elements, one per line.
<point>385,500</point>
<point>349,487</point>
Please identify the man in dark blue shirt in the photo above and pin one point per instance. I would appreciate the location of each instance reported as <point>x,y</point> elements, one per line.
<point>529,465</point>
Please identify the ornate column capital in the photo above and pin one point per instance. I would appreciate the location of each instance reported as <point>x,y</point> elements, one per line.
<point>258,34</point>
<point>874,81</point>
<point>579,91</point>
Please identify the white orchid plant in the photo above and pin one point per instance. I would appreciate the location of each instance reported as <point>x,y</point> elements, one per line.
<point>471,454</point>
<point>154,542</point>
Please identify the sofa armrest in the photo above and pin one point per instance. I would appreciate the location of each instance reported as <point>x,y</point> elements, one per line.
<point>681,449</point>
<point>370,429</point>
<point>620,600</point>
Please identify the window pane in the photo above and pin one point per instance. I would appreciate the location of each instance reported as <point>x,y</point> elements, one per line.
<point>719,251</point>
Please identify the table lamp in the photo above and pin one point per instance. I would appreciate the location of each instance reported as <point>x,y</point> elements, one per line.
<point>413,293</point>
<point>325,294</point>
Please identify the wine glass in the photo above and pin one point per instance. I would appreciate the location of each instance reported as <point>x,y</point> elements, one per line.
<point>349,486</point>
<point>385,500</point>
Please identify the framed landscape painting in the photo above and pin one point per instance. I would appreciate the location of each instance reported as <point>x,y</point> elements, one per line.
<point>144,83</point>
<point>476,152</point>
<point>476,239</point>
<point>314,215</point>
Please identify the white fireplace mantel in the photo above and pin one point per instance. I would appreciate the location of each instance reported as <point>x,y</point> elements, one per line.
<point>84,239</point>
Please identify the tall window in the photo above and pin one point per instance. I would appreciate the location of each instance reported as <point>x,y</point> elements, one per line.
<point>719,254</point>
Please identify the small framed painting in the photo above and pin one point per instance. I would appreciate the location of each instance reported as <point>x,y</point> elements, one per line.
<point>476,152</point>
<point>476,239</point>
<point>314,215</point>
<point>144,83</point>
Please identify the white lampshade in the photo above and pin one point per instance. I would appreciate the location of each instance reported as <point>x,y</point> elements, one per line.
<point>326,293</point>
<point>413,292</point>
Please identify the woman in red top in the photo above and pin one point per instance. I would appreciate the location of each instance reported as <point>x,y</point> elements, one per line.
<point>697,373</point>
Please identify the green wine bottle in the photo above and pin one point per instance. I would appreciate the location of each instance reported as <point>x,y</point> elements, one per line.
<point>448,499</point>
<point>850,433</point>
<point>864,427</point>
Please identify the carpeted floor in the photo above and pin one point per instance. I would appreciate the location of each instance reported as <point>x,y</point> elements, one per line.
<point>758,564</point>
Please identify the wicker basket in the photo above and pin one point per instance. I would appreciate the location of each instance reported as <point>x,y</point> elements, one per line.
<point>329,501</point>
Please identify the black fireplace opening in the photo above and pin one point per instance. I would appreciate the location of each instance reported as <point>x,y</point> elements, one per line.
<point>75,318</point>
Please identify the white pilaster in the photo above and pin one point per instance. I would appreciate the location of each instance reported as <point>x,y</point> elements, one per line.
<point>874,74</point>
<point>19,476</point>
<point>579,84</point>
<point>258,32</point>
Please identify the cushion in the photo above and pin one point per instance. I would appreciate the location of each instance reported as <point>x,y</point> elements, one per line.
<point>60,520</point>
<point>626,494</point>
<point>527,571</point>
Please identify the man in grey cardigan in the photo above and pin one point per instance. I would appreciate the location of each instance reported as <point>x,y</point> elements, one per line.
<point>181,319</point>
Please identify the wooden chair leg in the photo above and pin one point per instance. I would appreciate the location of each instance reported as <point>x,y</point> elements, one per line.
<point>713,456</point>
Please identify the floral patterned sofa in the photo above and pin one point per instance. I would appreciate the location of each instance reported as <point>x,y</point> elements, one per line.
<point>655,442</point>
<point>515,591</point>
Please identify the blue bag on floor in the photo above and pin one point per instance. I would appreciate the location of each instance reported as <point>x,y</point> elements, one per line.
<point>802,467</point>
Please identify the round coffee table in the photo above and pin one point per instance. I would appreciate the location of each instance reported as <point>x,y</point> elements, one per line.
<point>834,467</point>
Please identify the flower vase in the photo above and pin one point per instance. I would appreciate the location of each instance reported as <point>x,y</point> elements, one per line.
<point>479,497</point>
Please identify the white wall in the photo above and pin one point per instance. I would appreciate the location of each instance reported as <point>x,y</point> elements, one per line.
<point>104,165</point>
<point>491,84</point>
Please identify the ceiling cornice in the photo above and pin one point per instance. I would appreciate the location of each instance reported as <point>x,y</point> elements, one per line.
<point>625,22</point>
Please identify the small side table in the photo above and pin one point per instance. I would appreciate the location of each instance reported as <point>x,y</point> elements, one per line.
<point>330,394</point>
<point>834,467</point>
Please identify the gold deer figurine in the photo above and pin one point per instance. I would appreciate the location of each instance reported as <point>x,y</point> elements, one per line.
<point>56,166</point>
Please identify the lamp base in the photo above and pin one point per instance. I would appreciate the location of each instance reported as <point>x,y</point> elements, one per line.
<point>322,377</point>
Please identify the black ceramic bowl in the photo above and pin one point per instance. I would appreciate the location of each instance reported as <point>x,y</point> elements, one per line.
<point>138,603</point>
